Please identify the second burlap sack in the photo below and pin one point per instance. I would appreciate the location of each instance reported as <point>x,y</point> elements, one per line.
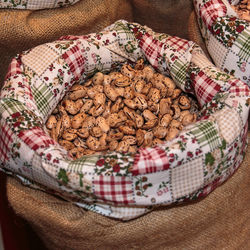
<point>24,29</point>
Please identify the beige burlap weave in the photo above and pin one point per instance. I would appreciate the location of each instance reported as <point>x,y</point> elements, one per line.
<point>220,221</point>
<point>23,29</point>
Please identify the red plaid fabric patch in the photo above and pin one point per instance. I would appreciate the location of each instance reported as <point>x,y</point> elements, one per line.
<point>150,160</point>
<point>5,142</point>
<point>113,189</point>
<point>238,88</point>
<point>205,88</point>
<point>211,10</point>
<point>152,48</point>
<point>178,43</point>
<point>75,59</point>
<point>14,68</point>
<point>36,138</point>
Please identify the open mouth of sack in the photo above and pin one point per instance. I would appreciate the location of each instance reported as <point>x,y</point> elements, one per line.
<point>121,111</point>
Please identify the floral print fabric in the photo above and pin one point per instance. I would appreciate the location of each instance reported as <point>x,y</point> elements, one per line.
<point>226,36</point>
<point>122,186</point>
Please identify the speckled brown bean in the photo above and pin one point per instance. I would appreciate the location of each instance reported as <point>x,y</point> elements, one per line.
<point>165,106</point>
<point>86,106</point>
<point>148,115</point>
<point>114,135</point>
<point>140,102</point>
<point>139,85</point>
<point>116,106</point>
<point>184,102</point>
<point>68,136</point>
<point>150,124</point>
<point>70,107</point>
<point>91,92</point>
<point>99,99</point>
<point>98,78</point>
<point>89,122</point>
<point>96,132</point>
<point>157,141</point>
<point>113,145</point>
<point>66,144</point>
<point>140,136</point>
<point>131,140</point>
<point>165,120</point>
<point>127,130</point>
<point>77,120</point>
<point>130,113</point>
<point>106,79</point>
<point>122,81</point>
<point>128,93</point>
<point>103,124</point>
<point>139,120</point>
<point>51,122</point>
<point>154,95</point>
<point>78,142</point>
<point>130,103</point>
<point>176,111</point>
<point>97,110</point>
<point>83,133</point>
<point>160,132</point>
<point>128,71</point>
<point>110,92</point>
<point>172,133</point>
<point>148,72</point>
<point>113,120</point>
<point>176,93</point>
<point>77,94</point>
<point>148,139</point>
<point>139,64</point>
<point>188,119</point>
<point>93,143</point>
<point>122,147</point>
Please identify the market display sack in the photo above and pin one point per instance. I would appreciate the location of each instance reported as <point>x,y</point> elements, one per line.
<point>227,37</point>
<point>204,155</point>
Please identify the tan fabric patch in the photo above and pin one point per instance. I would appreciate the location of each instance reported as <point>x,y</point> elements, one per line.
<point>187,178</point>
<point>229,124</point>
<point>39,58</point>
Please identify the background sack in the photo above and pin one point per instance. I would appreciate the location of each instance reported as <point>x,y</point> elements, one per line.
<point>227,37</point>
<point>24,29</point>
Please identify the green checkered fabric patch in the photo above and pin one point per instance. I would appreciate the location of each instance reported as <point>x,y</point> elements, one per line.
<point>179,72</point>
<point>243,43</point>
<point>11,106</point>
<point>76,166</point>
<point>207,134</point>
<point>122,28</point>
<point>43,97</point>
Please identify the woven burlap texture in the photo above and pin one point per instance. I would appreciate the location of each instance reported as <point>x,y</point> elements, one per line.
<point>220,221</point>
<point>23,29</point>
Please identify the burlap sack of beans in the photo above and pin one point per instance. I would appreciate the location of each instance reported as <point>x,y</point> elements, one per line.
<point>220,221</point>
<point>24,29</point>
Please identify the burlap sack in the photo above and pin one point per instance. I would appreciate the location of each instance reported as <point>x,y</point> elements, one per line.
<point>220,221</point>
<point>24,29</point>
